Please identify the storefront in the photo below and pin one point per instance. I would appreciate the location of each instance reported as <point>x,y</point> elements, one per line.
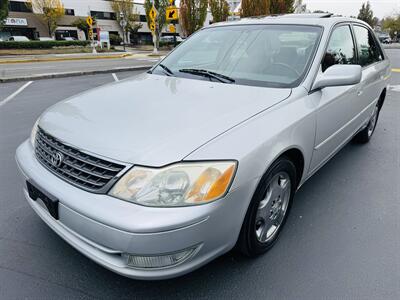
<point>17,26</point>
<point>23,24</point>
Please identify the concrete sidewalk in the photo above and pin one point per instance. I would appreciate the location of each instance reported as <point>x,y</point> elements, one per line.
<point>76,56</point>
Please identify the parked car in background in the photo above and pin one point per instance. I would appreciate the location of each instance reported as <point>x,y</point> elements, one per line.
<point>155,176</point>
<point>170,39</point>
<point>384,38</point>
<point>68,38</point>
<point>45,39</point>
<point>18,38</point>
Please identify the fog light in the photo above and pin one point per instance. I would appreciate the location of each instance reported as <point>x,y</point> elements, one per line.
<point>160,261</point>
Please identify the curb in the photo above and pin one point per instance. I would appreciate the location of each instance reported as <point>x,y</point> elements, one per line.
<point>20,61</point>
<point>74,74</point>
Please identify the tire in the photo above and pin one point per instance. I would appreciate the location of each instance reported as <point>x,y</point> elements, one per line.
<point>271,203</point>
<point>365,135</point>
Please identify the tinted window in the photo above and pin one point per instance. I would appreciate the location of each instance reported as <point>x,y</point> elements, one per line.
<point>260,55</point>
<point>18,6</point>
<point>368,51</point>
<point>341,49</point>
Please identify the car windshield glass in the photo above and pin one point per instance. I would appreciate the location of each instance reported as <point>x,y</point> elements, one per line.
<point>258,55</point>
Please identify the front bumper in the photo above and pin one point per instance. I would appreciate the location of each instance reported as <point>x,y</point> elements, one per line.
<point>105,229</point>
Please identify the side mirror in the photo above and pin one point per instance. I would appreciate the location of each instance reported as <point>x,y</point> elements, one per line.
<point>338,75</point>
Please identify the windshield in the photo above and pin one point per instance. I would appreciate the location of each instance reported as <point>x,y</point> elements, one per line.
<point>258,55</point>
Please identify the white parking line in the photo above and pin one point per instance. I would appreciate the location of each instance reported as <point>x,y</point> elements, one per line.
<point>12,96</point>
<point>115,77</point>
<point>394,88</point>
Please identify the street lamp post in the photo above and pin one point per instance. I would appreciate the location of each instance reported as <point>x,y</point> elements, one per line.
<point>123,24</point>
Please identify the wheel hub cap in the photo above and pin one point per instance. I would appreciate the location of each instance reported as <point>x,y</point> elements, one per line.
<point>272,209</point>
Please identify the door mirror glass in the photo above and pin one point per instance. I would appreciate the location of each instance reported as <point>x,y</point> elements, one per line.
<point>338,75</point>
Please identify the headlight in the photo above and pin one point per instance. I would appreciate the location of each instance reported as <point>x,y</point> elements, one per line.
<point>181,184</point>
<point>34,132</point>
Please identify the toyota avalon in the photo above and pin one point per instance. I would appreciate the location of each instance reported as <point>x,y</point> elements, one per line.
<point>154,176</point>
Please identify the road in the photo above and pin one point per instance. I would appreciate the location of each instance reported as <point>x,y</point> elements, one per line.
<point>341,241</point>
<point>16,70</point>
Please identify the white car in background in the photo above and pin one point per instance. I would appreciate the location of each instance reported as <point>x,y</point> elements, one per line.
<point>18,38</point>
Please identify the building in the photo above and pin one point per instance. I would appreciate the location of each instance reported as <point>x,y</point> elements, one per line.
<point>234,5</point>
<point>23,21</point>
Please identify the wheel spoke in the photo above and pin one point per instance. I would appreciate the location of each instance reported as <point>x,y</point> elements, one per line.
<point>272,209</point>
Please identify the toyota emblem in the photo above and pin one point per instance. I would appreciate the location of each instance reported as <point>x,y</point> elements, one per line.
<point>57,159</point>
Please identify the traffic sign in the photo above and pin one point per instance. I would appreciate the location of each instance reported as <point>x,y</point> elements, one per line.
<point>90,34</point>
<point>153,13</point>
<point>172,13</point>
<point>153,26</point>
<point>172,28</point>
<point>89,21</point>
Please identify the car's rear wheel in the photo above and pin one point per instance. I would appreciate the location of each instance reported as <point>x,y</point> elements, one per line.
<point>268,209</point>
<point>365,135</point>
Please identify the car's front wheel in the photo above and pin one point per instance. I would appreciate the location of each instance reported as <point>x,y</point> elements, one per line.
<point>268,209</point>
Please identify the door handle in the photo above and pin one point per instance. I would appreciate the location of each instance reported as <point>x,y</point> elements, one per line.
<point>359,92</point>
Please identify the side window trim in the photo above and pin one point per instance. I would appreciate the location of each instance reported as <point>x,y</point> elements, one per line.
<point>353,24</point>
<point>334,28</point>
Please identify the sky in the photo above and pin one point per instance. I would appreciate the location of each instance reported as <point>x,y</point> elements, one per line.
<point>381,8</point>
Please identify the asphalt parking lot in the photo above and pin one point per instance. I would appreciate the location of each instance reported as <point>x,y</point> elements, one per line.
<point>342,239</point>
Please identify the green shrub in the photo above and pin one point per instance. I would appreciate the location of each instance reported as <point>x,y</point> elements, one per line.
<point>41,44</point>
<point>115,39</point>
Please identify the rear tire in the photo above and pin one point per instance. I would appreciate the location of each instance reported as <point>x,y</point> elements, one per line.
<point>365,135</point>
<point>268,209</point>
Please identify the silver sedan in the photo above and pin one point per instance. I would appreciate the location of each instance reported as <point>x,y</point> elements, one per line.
<point>154,176</point>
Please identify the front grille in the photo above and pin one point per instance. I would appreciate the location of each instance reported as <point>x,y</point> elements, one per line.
<point>80,169</point>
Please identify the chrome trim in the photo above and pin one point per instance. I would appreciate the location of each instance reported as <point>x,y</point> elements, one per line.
<point>45,144</point>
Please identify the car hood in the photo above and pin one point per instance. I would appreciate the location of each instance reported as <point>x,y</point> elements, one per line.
<point>153,119</point>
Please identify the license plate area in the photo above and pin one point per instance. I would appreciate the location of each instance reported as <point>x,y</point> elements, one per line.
<point>50,202</point>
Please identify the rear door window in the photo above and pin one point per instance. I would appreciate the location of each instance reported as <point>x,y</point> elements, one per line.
<point>368,50</point>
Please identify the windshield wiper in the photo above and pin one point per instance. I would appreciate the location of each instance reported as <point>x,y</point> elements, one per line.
<point>220,77</point>
<point>166,69</point>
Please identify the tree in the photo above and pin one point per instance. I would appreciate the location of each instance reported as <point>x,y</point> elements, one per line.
<point>193,14</point>
<point>281,6</point>
<point>392,25</point>
<point>125,9</point>
<point>219,10</point>
<point>255,8</point>
<point>3,12</point>
<point>161,20</point>
<point>366,14</point>
<point>49,10</point>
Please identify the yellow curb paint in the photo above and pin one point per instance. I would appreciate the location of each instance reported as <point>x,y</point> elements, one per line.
<point>396,70</point>
<point>21,61</point>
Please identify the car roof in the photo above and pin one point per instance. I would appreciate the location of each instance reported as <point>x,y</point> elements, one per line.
<point>319,19</point>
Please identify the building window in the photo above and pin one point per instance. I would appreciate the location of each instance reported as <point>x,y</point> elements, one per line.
<point>143,18</point>
<point>103,15</point>
<point>18,6</point>
<point>69,12</point>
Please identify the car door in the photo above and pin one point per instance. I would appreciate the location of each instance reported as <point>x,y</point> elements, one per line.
<point>338,106</point>
<point>370,58</point>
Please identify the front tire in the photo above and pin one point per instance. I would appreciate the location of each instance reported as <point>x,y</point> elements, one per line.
<point>365,135</point>
<point>268,209</point>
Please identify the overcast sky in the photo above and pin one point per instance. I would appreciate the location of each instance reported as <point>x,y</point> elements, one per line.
<point>381,8</point>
